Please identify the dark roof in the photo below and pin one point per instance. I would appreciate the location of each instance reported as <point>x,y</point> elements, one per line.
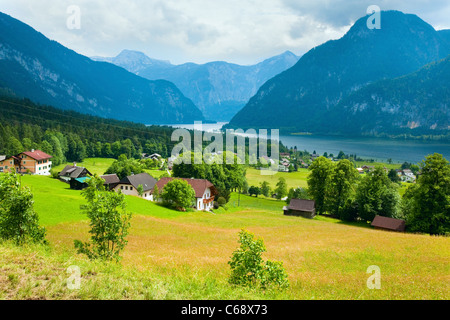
<point>144,179</point>
<point>73,171</point>
<point>388,223</point>
<point>37,155</point>
<point>199,185</point>
<point>110,178</point>
<point>302,205</point>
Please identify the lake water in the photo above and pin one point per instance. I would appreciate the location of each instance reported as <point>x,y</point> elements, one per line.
<point>370,148</point>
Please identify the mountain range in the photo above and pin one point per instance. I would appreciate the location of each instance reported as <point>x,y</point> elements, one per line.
<point>333,86</point>
<point>46,72</point>
<point>219,89</point>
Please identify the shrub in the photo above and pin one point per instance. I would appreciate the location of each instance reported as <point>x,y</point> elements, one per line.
<point>18,220</point>
<point>109,222</point>
<point>221,201</point>
<point>249,269</point>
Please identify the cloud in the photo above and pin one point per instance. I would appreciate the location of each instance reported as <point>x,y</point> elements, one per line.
<point>200,30</point>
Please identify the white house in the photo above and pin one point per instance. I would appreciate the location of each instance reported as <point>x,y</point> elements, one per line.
<point>204,191</point>
<point>408,176</point>
<point>129,185</point>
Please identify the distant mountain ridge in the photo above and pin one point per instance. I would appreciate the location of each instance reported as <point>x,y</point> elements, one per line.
<point>46,72</point>
<point>219,89</point>
<point>418,100</point>
<point>302,98</point>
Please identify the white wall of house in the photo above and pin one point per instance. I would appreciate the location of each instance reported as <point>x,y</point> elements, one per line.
<point>199,201</point>
<point>43,167</point>
<point>129,190</point>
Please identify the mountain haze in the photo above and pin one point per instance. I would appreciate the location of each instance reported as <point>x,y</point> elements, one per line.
<point>220,89</point>
<point>302,98</point>
<point>46,72</point>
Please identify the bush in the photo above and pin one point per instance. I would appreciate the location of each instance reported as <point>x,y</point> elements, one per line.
<point>109,222</point>
<point>18,220</point>
<point>249,269</point>
<point>221,201</point>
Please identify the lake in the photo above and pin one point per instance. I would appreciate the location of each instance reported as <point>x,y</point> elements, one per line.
<point>368,148</point>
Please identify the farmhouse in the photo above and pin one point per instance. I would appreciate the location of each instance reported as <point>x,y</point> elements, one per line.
<point>391,224</point>
<point>72,172</point>
<point>33,162</point>
<point>204,191</point>
<point>301,207</point>
<point>408,176</point>
<point>129,185</point>
<point>111,181</point>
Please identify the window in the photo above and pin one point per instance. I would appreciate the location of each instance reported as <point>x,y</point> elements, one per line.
<point>121,187</point>
<point>131,188</point>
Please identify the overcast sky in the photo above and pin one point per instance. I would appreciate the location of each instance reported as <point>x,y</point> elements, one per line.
<point>239,31</point>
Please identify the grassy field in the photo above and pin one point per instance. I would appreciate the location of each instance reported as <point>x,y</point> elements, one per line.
<point>293,179</point>
<point>94,165</point>
<point>174,255</point>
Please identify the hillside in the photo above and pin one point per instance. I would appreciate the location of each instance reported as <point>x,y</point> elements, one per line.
<point>46,72</point>
<point>219,89</point>
<point>300,99</point>
<point>419,102</point>
<point>175,255</point>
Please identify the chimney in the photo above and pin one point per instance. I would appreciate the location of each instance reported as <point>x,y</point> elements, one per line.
<point>32,150</point>
<point>74,164</point>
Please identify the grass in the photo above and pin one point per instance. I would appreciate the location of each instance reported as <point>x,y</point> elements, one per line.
<point>174,255</point>
<point>293,179</point>
<point>94,165</point>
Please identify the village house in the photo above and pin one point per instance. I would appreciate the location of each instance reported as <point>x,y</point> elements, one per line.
<point>129,185</point>
<point>391,224</point>
<point>301,207</point>
<point>408,176</point>
<point>111,181</point>
<point>204,191</point>
<point>30,162</point>
<point>72,172</point>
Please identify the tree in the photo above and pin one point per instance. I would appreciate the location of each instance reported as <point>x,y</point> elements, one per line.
<point>393,176</point>
<point>297,193</point>
<point>18,220</point>
<point>125,167</point>
<point>377,195</point>
<point>321,170</point>
<point>428,202</point>
<point>341,186</point>
<point>156,194</point>
<point>281,189</point>
<point>140,190</point>
<point>109,222</point>
<point>179,193</point>
<point>253,190</point>
<point>265,189</point>
<point>249,269</point>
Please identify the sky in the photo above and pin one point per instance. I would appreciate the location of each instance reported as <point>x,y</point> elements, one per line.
<point>238,31</point>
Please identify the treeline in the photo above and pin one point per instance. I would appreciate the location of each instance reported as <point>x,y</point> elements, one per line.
<point>338,190</point>
<point>72,136</point>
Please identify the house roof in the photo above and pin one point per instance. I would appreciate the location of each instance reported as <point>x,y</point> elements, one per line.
<point>110,178</point>
<point>388,223</point>
<point>199,185</point>
<point>37,155</point>
<point>2,158</point>
<point>144,179</point>
<point>302,205</point>
<point>73,171</point>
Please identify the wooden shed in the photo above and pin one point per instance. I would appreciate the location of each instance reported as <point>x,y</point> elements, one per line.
<point>301,207</point>
<point>391,224</point>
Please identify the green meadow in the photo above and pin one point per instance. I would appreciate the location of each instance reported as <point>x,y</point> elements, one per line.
<point>175,255</point>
